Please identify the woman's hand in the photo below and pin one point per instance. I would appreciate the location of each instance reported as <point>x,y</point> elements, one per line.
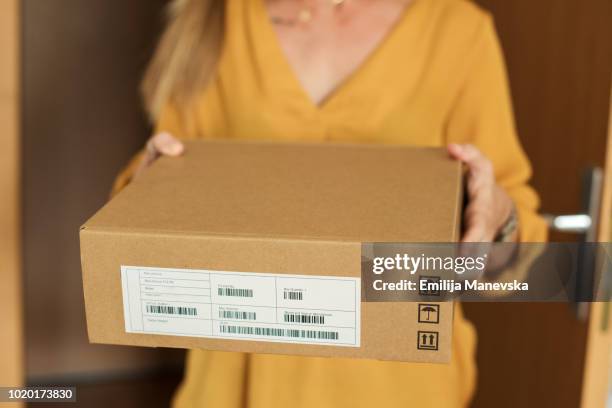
<point>489,207</point>
<point>162,144</point>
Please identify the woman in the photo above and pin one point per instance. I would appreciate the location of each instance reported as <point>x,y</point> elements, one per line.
<point>419,72</point>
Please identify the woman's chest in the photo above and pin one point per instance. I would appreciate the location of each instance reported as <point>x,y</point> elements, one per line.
<point>411,118</point>
<point>401,94</point>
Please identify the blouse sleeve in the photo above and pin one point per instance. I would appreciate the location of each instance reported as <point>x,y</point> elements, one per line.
<point>482,115</point>
<point>169,121</point>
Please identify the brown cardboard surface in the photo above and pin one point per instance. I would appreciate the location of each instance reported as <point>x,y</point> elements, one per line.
<point>275,208</point>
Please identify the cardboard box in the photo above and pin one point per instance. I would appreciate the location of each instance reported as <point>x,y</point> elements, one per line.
<point>256,247</point>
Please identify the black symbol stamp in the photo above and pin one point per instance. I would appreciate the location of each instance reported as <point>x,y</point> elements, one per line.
<point>428,290</point>
<point>427,340</point>
<point>429,313</point>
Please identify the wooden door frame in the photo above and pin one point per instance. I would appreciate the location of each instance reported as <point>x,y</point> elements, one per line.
<point>599,341</point>
<point>11,335</point>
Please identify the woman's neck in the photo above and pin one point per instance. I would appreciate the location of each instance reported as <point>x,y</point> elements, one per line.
<point>334,41</point>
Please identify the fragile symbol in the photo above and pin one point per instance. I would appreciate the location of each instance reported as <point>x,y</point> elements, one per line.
<point>427,340</point>
<point>429,313</point>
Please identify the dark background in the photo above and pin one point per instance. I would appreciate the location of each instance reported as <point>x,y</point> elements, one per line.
<point>82,121</point>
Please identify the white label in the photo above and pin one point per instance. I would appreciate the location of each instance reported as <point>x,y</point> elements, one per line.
<point>246,306</point>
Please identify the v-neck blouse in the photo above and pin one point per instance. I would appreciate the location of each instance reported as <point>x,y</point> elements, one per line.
<point>397,95</point>
<point>347,85</point>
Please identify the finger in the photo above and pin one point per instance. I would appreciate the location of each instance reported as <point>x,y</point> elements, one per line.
<point>160,144</point>
<point>150,153</point>
<point>455,150</point>
<point>477,229</point>
<point>480,188</point>
<point>474,233</point>
<point>480,170</point>
<point>476,161</point>
<point>463,152</point>
<point>469,154</point>
<point>166,144</point>
<point>148,157</point>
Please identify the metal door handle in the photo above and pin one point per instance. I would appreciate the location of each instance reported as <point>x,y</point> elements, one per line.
<point>575,223</point>
<point>585,224</point>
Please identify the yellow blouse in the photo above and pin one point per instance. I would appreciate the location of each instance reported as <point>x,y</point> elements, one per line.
<point>438,77</point>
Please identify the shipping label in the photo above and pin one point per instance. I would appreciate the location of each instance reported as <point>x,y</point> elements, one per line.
<point>246,306</point>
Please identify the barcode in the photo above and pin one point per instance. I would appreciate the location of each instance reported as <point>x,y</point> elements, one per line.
<point>259,331</point>
<point>179,310</point>
<point>274,332</point>
<point>232,314</point>
<point>304,318</point>
<point>235,292</point>
<point>291,295</point>
<point>313,334</point>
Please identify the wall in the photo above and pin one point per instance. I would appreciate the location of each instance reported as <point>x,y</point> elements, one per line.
<point>11,350</point>
<point>82,120</point>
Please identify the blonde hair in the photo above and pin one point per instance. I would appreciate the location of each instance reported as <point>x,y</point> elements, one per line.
<point>187,54</point>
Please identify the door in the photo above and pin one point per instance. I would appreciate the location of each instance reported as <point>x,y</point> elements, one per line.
<point>559,65</point>
<point>81,116</point>
<point>11,350</point>
<point>595,382</point>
